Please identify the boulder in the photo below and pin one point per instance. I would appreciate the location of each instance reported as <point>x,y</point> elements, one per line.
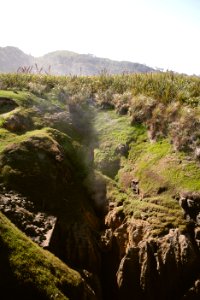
<point>38,166</point>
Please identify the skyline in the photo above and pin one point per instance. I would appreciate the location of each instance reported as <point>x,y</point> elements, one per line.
<point>159,34</point>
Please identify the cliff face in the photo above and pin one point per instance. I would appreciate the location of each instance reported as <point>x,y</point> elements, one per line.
<point>143,267</point>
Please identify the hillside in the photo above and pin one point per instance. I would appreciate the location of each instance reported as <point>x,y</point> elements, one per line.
<point>100,186</point>
<point>65,63</point>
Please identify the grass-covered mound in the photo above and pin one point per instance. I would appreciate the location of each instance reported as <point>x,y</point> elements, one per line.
<point>40,163</point>
<point>29,272</point>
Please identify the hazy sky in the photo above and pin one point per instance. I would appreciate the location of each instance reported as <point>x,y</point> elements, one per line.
<point>159,33</point>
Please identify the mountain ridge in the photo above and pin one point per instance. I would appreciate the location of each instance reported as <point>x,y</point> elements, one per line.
<point>64,62</point>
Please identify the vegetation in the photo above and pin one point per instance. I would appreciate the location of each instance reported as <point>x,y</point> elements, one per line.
<point>163,87</point>
<point>114,136</point>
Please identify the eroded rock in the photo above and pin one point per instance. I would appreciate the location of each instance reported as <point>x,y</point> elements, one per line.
<point>146,267</point>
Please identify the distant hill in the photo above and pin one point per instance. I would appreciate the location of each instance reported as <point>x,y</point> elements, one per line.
<point>65,63</point>
<point>12,58</point>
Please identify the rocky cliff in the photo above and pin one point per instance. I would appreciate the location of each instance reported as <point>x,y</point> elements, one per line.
<point>144,267</point>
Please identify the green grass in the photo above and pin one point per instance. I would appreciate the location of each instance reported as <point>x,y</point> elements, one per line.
<point>22,98</point>
<point>114,128</point>
<point>158,164</point>
<point>165,87</point>
<point>145,159</point>
<point>6,138</point>
<point>27,99</point>
<point>184,175</point>
<point>19,96</point>
<point>46,139</point>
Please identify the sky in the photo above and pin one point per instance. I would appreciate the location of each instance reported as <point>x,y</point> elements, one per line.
<point>159,33</point>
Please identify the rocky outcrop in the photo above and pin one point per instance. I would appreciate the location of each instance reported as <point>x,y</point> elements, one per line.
<point>143,267</point>
<point>165,268</point>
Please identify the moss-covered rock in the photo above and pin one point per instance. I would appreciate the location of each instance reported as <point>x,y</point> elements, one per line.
<point>40,163</point>
<point>29,272</point>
